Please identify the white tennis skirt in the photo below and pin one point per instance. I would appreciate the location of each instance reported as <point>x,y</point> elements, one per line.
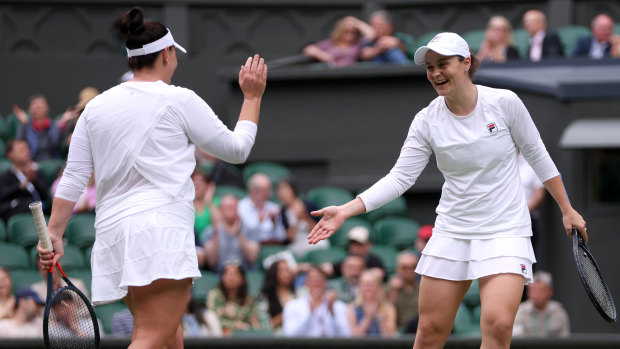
<point>460,259</point>
<point>141,248</point>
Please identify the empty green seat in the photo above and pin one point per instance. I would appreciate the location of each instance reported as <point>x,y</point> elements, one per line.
<point>22,230</point>
<point>85,275</point>
<point>3,134</point>
<point>51,168</point>
<point>202,286</point>
<point>472,297</point>
<point>328,196</point>
<point>23,278</point>
<point>273,170</point>
<point>387,255</point>
<point>397,232</point>
<point>222,190</point>
<point>474,38</point>
<point>5,164</point>
<point>425,38</point>
<point>570,34</point>
<point>106,312</point>
<point>340,238</point>
<point>464,323</point>
<point>3,234</point>
<point>80,230</point>
<point>327,255</point>
<point>521,41</point>
<point>410,43</point>
<point>12,124</point>
<point>2,147</point>
<point>255,280</point>
<point>13,256</point>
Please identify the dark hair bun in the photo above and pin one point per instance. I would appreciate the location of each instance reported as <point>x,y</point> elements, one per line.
<point>131,22</point>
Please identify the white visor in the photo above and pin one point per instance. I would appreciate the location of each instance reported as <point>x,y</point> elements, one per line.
<point>446,44</point>
<point>156,46</point>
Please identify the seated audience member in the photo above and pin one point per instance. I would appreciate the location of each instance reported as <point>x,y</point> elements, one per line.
<point>22,183</point>
<point>386,47</point>
<point>200,322</point>
<point>599,44</point>
<point>296,219</point>
<point>69,118</point>
<point>498,45</point>
<point>403,288</point>
<point>230,239</point>
<point>278,290</point>
<point>539,315</point>
<point>319,313</point>
<point>87,201</point>
<point>371,314</point>
<point>348,285</point>
<point>42,133</point>
<point>259,215</point>
<point>359,245</point>
<point>424,234</point>
<point>26,321</point>
<point>234,306</point>
<point>7,300</point>
<point>40,288</point>
<point>343,47</point>
<point>544,44</point>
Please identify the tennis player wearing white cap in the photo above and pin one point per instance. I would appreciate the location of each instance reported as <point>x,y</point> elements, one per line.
<point>139,138</point>
<point>483,229</point>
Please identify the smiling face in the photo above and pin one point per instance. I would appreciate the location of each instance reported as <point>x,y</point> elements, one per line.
<point>446,73</point>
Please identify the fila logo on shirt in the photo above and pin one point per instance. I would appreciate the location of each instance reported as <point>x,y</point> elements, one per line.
<point>523,269</point>
<point>492,127</point>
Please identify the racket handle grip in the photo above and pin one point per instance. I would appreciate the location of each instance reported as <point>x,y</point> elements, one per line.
<point>39,220</point>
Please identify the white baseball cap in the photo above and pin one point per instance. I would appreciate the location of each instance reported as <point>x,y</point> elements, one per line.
<point>446,44</point>
<point>359,234</point>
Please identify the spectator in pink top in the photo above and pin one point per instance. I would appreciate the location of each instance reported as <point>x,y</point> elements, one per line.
<point>344,46</point>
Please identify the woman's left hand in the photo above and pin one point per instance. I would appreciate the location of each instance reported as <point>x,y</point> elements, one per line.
<point>572,219</point>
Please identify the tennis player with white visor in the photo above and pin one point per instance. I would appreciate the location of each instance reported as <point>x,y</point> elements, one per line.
<point>482,230</point>
<point>139,139</point>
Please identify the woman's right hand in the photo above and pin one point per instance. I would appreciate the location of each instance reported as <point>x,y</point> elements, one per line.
<point>253,77</point>
<point>51,257</point>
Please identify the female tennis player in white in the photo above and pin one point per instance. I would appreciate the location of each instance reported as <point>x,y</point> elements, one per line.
<point>483,229</point>
<point>138,138</point>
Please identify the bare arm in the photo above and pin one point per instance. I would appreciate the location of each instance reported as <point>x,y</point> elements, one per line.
<point>570,218</point>
<point>252,80</point>
<point>315,52</point>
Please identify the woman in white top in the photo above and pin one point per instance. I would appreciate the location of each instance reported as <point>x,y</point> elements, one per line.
<point>482,230</point>
<point>139,138</point>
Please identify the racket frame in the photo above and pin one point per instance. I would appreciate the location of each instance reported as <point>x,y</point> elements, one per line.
<point>577,242</point>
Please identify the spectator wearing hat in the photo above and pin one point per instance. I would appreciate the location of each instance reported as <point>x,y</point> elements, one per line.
<point>424,234</point>
<point>539,315</point>
<point>26,321</point>
<point>359,245</point>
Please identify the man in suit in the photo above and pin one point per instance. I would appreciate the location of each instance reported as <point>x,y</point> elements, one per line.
<point>597,45</point>
<point>544,44</point>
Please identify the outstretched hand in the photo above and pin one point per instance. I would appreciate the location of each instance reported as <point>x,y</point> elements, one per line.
<point>332,220</point>
<point>253,77</point>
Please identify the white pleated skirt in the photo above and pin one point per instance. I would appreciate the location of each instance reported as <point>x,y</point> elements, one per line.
<point>141,248</point>
<point>462,259</point>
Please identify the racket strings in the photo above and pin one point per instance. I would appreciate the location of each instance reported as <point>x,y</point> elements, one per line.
<point>70,323</point>
<point>596,284</point>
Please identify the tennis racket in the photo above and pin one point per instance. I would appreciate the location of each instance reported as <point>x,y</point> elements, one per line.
<point>592,279</point>
<point>69,319</point>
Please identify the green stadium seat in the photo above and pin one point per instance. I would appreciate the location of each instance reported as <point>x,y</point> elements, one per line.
<point>2,148</point>
<point>474,38</point>
<point>472,297</point>
<point>222,190</point>
<point>255,280</point>
<point>327,255</point>
<point>340,238</point>
<point>3,233</point>
<point>387,255</point>
<point>3,134</point>
<point>85,275</point>
<point>570,34</point>
<point>425,38</point>
<point>464,323</point>
<point>12,124</point>
<point>273,170</point>
<point>13,256</point>
<point>23,278</point>
<point>410,43</point>
<point>397,232</point>
<point>202,286</point>
<point>396,207</point>
<point>328,196</point>
<point>5,165</point>
<point>617,28</point>
<point>105,313</point>
<point>50,169</point>
<point>87,253</point>
<point>522,41</point>
<point>475,314</point>
<point>22,231</point>
<point>206,167</point>
<point>80,230</point>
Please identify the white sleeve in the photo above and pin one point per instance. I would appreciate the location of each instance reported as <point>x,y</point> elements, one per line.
<point>341,320</point>
<point>295,319</point>
<point>79,164</point>
<point>527,138</point>
<point>210,134</point>
<point>413,158</point>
